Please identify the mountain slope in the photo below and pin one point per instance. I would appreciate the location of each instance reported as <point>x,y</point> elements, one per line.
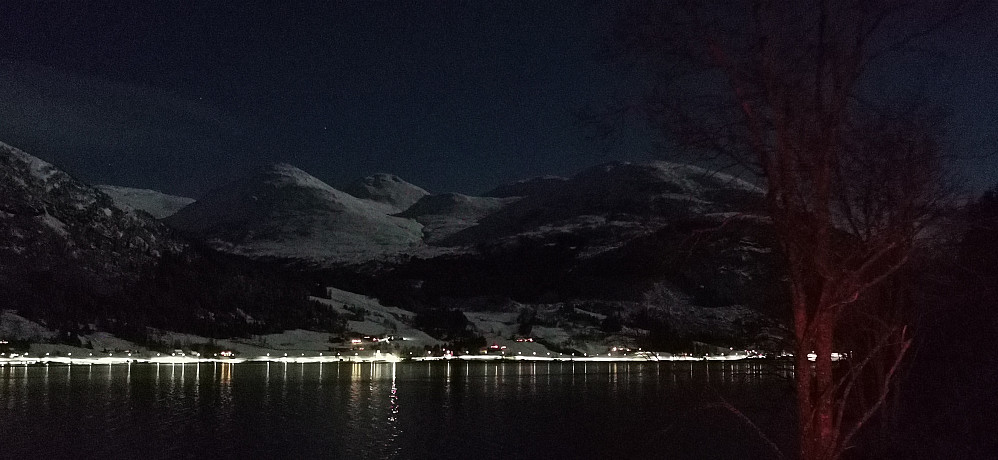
<point>63,242</point>
<point>614,201</point>
<point>387,189</point>
<point>285,212</point>
<point>157,204</point>
<point>446,214</point>
<point>528,187</point>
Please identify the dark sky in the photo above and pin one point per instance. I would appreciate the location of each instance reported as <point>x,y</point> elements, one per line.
<point>452,96</point>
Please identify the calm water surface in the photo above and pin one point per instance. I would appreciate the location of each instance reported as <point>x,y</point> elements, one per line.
<point>408,410</point>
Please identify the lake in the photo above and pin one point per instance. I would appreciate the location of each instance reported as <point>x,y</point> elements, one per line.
<point>408,410</point>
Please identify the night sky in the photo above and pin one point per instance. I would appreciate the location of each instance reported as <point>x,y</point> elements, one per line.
<point>452,96</point>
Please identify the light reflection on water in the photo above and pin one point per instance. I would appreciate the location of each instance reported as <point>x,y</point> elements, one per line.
<point>362,410</point>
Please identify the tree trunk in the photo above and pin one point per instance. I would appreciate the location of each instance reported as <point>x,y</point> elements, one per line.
<point>824,410</point>
<point>816,401</point>
<point>803,377</point>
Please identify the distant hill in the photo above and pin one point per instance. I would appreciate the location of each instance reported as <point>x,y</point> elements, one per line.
<point>448,213</point>
<point>614,202</point>
<point>387,189</point>
<point>157,204</point>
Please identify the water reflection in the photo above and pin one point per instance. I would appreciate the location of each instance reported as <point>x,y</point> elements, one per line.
<point>352,411</point>
<point>392,444</point>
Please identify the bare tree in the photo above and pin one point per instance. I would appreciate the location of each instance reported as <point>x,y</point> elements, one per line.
<point>776,88</point>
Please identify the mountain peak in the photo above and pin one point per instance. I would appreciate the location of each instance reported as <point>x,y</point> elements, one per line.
<point>284,174</point>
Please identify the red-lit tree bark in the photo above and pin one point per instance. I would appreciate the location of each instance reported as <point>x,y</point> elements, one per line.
<point>852,186</point>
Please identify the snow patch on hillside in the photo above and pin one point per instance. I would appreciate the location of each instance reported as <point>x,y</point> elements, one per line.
<point>55,224</point>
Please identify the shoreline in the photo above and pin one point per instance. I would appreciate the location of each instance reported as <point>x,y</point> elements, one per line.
<point>356,358</point>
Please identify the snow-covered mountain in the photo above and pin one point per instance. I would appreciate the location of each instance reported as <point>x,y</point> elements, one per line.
<point>56,228</point>
<point>284,212</point>
<point>619,253</point>
<point>157,204</point>
<point>613,202</point>
<point>387,189</point>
